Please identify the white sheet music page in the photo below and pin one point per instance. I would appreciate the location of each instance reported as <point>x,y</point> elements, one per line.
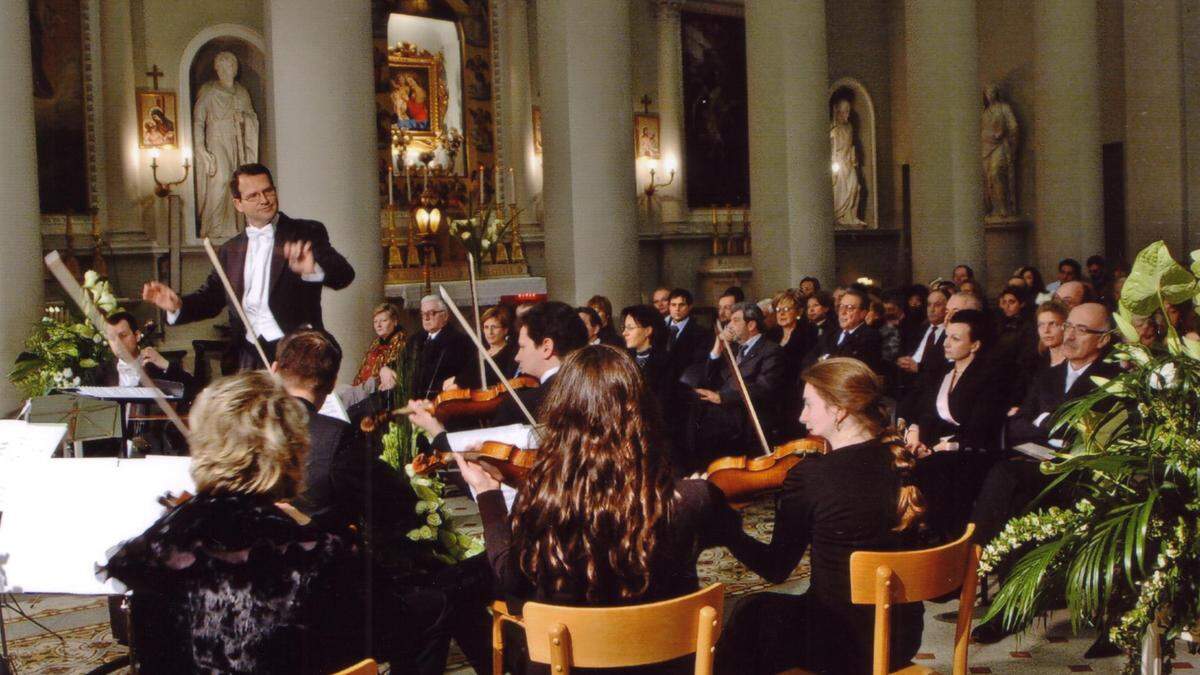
<point>63,516</point>
<point>119,393</point>
<point>21,443</point>
<point>520,435</point>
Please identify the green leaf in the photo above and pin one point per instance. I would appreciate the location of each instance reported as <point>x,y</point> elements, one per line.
<point>1125,325</point>
<point>1156,275</point>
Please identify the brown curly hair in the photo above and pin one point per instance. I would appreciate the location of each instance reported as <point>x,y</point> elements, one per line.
<point>595,509</point>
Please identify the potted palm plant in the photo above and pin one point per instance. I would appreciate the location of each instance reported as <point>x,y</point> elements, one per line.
<point>1126,555</point>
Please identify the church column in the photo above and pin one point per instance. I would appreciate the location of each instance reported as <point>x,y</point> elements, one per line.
<point>517,103</point>
<point>945,103</point>
<point>1070,220</point>
<point>324,103</point>
<point>20,257</point>
<point>1155,161</point>
<point>673,198</point>
<point>589,189</point>
<point>791,199</point>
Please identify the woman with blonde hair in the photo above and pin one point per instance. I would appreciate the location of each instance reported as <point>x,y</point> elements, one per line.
<point>230,580</point>
<point>859,496</point>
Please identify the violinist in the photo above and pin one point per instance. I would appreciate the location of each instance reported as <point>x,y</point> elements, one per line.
<point>549,331</point>
<point>599,521</point>
<point>859,496</point>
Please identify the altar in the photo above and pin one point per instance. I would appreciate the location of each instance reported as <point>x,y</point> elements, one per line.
<point>490,290</point>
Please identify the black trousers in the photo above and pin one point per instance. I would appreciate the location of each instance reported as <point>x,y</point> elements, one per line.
<point>247,355</point>
<point>1010,485</point>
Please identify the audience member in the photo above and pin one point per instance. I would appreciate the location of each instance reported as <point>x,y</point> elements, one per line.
<point>1051,315</point>
<point>608,333</point>
<point>808,286</point>
<point>1033,279</point>
<point>853,338</point>
<point>439,350</point>
<point>962,274</point>
<point>817,309</point>
<point>644,339</point>
<point>661,299</point>
<point>796,338</point>
<point>1068,270</point>
<point>1072,294</point>
<point>376,372</point>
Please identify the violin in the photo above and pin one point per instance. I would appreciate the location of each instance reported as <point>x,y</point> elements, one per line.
<point>514,463</point>
<point>458,403</point>
<point>743,478</point>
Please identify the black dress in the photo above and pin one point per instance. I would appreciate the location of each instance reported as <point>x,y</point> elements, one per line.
<point>801,341</point>
<point>836,504</point>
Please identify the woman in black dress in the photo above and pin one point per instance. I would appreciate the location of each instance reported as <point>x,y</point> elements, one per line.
<point>796,337</point>
<point>599,520</point>
<point>642,329</point>
<point>857,497</point>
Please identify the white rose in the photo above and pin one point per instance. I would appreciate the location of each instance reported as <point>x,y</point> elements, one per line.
<point>1163,377</point>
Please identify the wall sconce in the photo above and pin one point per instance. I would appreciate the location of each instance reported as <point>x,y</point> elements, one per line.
<point>427,220</point>
<point>652,186</point>
<point>162,189</point>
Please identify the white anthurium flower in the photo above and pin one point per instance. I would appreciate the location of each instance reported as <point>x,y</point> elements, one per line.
<point>90,278</point>
<point>485,243</point>
<point>1163,377</point>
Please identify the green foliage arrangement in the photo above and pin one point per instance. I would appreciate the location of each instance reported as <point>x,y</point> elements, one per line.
<point>64,350</point>
<point>481,231</point>
<point>1128,552</point>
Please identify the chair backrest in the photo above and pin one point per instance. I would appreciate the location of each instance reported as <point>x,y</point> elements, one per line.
<point>888,578</point>
<point>366,667</point>
<point>612,637</point>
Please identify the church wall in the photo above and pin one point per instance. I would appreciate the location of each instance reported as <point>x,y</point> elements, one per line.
<point>1110,29</point>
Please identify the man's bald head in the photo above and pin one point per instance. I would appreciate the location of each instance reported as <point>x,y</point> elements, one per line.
<point>960,301</point>
<point>1088,332</point>
<point>1071,293</point>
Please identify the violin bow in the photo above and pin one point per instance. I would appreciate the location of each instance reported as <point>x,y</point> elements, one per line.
<point>237,304</point>
<point>483,352</point>
<point>478,326</point>
<point>76,293</point>
<point>733,365</point>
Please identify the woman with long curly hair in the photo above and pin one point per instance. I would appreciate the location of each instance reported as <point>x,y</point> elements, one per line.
<point>859,496</point>
<point>599,519</point>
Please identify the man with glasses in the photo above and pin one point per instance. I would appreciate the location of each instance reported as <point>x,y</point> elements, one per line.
<point>443,352</point>
<point>854,338</point>
<point>277,267</point>
<point>1012,483</point>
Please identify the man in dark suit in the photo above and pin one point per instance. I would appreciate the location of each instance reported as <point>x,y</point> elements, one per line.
<point>277,268</point>
<point>721,424</point>
<point>443,352</point>
<point>1013,483</point>
<point>549,331</point>
<point>686,339</point>
<point>854,338</point>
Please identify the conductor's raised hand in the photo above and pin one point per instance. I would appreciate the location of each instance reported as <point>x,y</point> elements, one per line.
<point>161,296</point>
<point>300,257</point>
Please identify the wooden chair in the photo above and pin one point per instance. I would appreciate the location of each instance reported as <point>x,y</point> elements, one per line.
<point>366,667</point>
<point>615,637</point>
<point>886,579</point>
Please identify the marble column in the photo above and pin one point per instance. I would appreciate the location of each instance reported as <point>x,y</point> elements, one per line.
<point>672,199</point>
<point>587,124</point>
<point>322,81</point>
<point>1155,159</point>
<point>1070,203</point>
<point>21,255</point>
<point>944,108</point>
<point>516,102</point>
<point>791,199</point>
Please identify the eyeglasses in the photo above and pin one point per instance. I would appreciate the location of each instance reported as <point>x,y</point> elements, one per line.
<point>432,314</point>
<point>1069,327</point>
<point>849,308</point>
<point>785,308</point>
<point>262,196</point>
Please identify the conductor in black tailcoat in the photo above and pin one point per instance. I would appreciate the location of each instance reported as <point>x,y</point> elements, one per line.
<point>277,268</point>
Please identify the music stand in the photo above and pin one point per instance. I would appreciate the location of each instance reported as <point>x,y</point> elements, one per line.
<point>87,419</point>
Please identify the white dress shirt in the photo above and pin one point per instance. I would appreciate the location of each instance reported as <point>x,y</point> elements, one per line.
<point>548,374</point>
<point>937,334</point>
<point>127,375</point>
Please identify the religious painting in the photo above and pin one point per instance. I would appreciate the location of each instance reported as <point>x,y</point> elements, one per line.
<point>645,137</point>
<point>479,86</point>
<point>56,37</point>
<point>537,130</point>
<point>156,118</point>
<point>716,121</point>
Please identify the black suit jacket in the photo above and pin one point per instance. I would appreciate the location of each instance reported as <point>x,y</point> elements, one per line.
<point>690,347</point>
<point>976,403</point>
<point>293,301</point>
<point>655,371</point>
<point>1046,395</point>
<point>764,370</point>
<point>450,354</point>
<point>864,344</point>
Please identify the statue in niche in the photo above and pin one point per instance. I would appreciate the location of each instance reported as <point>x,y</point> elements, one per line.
<point>225,132</point>
<point>1000,135</point>
<point>847,186</point>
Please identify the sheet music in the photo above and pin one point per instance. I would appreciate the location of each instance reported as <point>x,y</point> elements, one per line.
<point>51,540</point>
<point>520,435</point>
<point>332,407</point>
<point>1036,451</point>
<point>121,393</point>
<point>21,443</point>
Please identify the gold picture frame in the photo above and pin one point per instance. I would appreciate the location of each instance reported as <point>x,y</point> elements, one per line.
<point>157,119</point>
<point>646,137</point>
<point>417,91</point>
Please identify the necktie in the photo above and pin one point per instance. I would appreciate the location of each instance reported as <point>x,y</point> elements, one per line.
<point>674,336</point>
<point>930,343</point>
<point>841,338</point>
<point>260,233</point>
<point>742,351</point>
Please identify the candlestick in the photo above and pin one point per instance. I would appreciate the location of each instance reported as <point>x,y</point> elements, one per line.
<point>425,185</point>
<point>391,177</point>
<point>496,184</point>
<point>512,186</point>
<point>408,184</point>
<point>480,187</point>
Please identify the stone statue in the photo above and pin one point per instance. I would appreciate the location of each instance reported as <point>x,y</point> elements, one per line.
<point>225,133</point>
<point>847,190</point>
<point>1000,136</point>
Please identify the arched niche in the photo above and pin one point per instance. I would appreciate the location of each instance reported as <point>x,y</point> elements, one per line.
<point>862,119</point>
<point>196,68</point>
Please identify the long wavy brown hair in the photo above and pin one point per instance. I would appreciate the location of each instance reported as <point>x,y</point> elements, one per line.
<point>595,508</point>
<point>850,384</point>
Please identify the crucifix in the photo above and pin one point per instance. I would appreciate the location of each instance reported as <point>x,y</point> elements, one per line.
<point>645,103</point>
<point>154,73</point>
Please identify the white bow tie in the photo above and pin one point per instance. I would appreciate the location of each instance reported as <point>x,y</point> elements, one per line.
<point>260,233</point>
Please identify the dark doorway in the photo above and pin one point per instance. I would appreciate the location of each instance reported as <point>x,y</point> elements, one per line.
<point>1113,167</point>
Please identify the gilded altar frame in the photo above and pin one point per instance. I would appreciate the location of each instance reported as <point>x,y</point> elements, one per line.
<point>409,65</point>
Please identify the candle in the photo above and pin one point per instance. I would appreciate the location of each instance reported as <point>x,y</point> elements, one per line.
<point>408,183</point>
<point>391,196</point>
<point>496,185</point>
<point>480,187</point>
<point>425,185</point>
<point>395,158</point>
<point>512,186</point>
